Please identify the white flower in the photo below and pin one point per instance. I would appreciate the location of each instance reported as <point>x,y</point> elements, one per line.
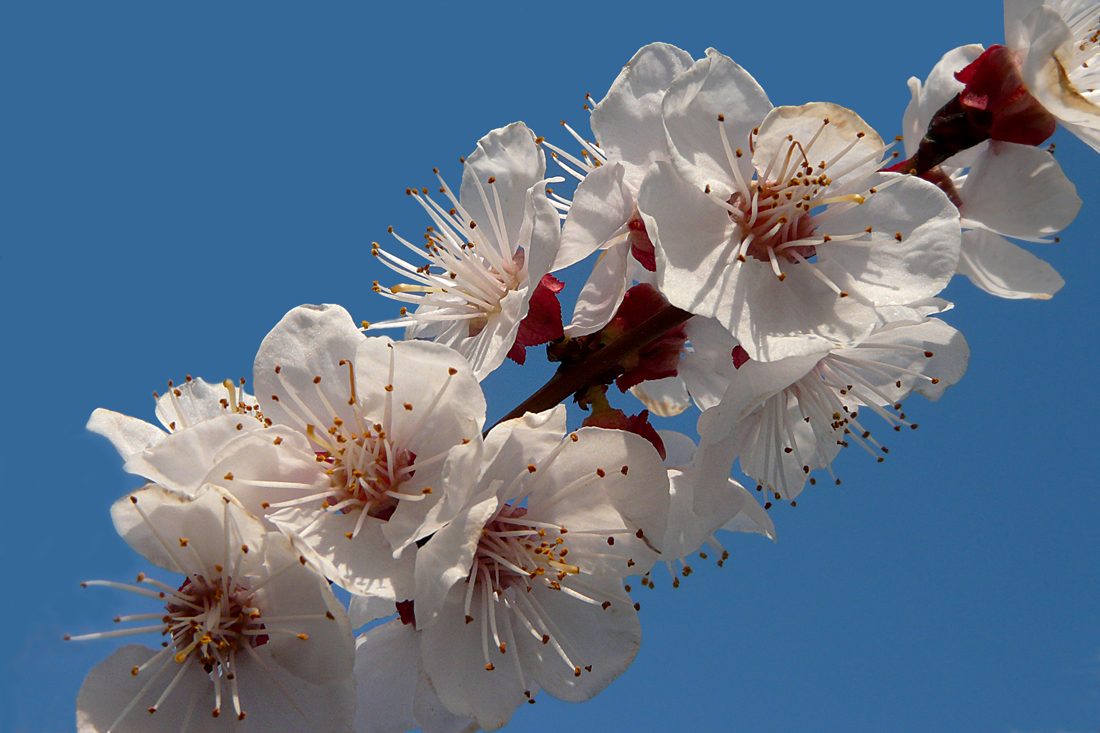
<point>1001,189</point>
<point>777,223</point>
<point>485,255</point>
<point>200,418</point>
<point>629,138</point>
<point>1056,45</point>
<point>786,418</point>
<point>254,638</point>
<point>352,463</point>
<point>523,589</point>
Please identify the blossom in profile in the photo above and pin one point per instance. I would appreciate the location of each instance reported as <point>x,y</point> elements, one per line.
<point>471,283</point>
<point>1002,189</point>
<point>253,638</point>
<point>784,419</point>
<point>523,590</point>
<point>778,223</point>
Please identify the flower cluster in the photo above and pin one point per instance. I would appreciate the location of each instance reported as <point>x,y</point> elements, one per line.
<point>776,268</point>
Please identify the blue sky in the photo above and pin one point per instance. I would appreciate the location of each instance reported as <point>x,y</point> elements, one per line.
<point>175,178</point>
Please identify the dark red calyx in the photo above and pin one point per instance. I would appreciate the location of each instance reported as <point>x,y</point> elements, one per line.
<point>641,246</point>
<point>739,356</point>
<point>995,87</point>
<point>995,104</point>
<point>406,614</point>
<point>659,358</point>
<point>542,324</point>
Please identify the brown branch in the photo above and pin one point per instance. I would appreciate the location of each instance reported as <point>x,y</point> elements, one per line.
<point>567,381</point>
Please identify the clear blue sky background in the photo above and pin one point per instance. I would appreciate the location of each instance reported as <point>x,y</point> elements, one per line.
<point>177,176</point>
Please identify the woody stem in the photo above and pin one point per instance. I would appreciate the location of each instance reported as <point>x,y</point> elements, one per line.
<point>568,380</point>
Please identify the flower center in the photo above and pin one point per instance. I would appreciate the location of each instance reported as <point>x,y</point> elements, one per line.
<point>778,210</point>
<point>515,551</point>
<point>210,622</point>
<point>775,217</point>
<point>367,471</point>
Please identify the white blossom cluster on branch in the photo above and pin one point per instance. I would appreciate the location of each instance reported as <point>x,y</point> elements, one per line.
<point>778,269</point>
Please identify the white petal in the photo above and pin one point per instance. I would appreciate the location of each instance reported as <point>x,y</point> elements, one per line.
<point>679,448</point>
<point>1090,135</point>
<point>749,387</point>
<point>297,591</point>
<point>711,87</point>
<point>487,350</point>
<point>911,128</point>
<point>752,517</point>
<point>1047,68</point>
<point>759,443</point>
<point>571,493</point>
<point>363,564</point>
<point>627,121</point>
<point>695,243</point>
<point>540,235</point>
<point>279,458</point>
<point>805,123</point>
<point>510,448</point>
<point>432,715</point>
<point>1000,268</point>
<point>687,528</point>
<point>451,651</point>
<point>602,295</point>
<point>422,379</point>
<point>948,363</point>
<point>704,384</point>
<point>172,520</point>
<point>110,687</point>
<point>602,205</point>
<point>447,557</point>
<point>1018,191</point>
<point>387,668</point>
<point>897,271</point>
<point>666,397</point>
<point>510,155</point>
<point>278,702</point>
<point>606,640</point>
<point>1016,33</point>
<point>182,460</point>
<point>197,401</point>
<point>309,342</point>
<point>127,434</point>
